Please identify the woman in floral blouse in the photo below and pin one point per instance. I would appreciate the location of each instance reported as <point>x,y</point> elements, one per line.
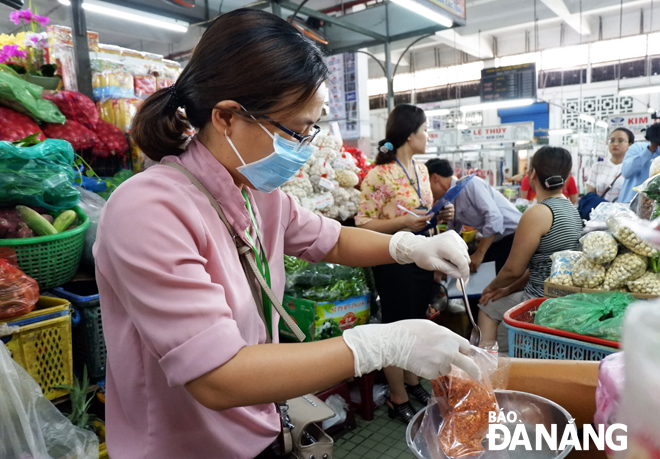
<point>399,181</point>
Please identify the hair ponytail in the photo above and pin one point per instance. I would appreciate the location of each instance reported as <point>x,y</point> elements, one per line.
<point>404,120</point>
<point>159,126</point>
<point>386,152</point>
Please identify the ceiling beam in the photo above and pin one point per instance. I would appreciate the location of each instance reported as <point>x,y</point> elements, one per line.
<point>333,20</point>
<point>476,45</point>
<point>573,20</point>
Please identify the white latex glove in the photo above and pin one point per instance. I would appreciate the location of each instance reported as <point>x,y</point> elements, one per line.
<point>446,252</point>
<point>418,345</point>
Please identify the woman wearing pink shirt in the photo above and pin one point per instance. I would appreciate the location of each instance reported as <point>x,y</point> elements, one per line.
<point>192,372</point>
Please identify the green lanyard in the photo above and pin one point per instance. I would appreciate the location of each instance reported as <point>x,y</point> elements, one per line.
<point>262,263</point>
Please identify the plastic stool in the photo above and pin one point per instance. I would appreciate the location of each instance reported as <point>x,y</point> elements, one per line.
<point>366,406</point>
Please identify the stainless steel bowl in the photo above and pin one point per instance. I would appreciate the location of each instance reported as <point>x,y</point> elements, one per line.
<point>530,409</point>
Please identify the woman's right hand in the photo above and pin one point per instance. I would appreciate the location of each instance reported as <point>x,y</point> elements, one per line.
<point>419,346</point>
<point>412,223</point>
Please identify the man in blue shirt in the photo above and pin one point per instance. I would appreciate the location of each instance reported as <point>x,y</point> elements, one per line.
<point>481,207</point>
<point>637,162</point>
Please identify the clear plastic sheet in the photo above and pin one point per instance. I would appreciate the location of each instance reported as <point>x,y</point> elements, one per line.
<point>92,204</point>
<point>30,426</point>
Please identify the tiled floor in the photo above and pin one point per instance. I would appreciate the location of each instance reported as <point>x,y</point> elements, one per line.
<point>381,438</point>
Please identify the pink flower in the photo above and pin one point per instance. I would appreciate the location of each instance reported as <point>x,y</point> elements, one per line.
<point>42,20</point>
<point>15,17</point>
<point>9,51</point>
<point>28,17</point>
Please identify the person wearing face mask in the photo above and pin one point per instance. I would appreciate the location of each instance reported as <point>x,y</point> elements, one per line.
<point>605,180</point>
<point>189,257</point>
<point>396,196</point>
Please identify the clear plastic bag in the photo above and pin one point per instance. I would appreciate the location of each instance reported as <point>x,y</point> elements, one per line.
<point>621,225</point>
<point>562,267</point>
<point>465,404</point>
<point>30,426</point>
<point>599,247</point>
<point>604,210</point>
<point>648,284</point>
<point>92,204</point>
<point>626,267</point>
<point>587,274</point>
<point>18,291</point>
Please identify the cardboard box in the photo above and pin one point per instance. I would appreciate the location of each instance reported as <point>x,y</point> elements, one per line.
<point>569,383</point>
<point>551,290</point>
<point>321,320</point>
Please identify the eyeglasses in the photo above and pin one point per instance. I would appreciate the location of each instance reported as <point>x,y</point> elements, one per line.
<point>303,140</point>
<point>617,141</point>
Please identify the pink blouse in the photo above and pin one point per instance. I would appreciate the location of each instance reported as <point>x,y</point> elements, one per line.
<point>176,305</point>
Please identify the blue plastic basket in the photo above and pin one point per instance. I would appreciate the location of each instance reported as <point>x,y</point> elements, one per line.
<point>88,340</point>
<point>537,345</point>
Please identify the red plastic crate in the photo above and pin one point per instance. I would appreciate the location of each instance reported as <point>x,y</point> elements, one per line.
<point>522,316</point>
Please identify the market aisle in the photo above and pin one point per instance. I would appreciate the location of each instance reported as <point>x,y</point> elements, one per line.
<point>381,438</point>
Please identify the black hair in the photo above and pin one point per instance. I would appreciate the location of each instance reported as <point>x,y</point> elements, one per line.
<point>442,167</point>
<point>627,132</point>
<point>551,164</point>
<point>653,133</point>
<point>250,56</point>
<point>404,120</point>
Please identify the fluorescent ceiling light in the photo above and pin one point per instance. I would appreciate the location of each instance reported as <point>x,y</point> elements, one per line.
<point>496,105</point>
<point>602,124</point>
<point>132,15</point>
<point>422,10</point>
<point>587,118</point>
<point>560,131</point>
<point>437,112</point>
<point>642,90</point>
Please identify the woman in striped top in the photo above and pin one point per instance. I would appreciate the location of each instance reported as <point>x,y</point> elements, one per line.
<point>551,226</point>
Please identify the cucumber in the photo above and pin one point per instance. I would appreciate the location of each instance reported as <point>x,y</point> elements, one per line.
<point>36,222</point>
<point>64,220</point>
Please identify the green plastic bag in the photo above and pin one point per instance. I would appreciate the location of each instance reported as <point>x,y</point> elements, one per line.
<point>591,314</point>
<point>41,175</point>
<point>24,97</point>
<point>323,281</point>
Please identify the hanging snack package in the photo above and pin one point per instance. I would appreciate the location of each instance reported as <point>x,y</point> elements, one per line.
<point>599,247</point>
<point>621,225</point>
<point>464,404</point>
<point>562,267</point>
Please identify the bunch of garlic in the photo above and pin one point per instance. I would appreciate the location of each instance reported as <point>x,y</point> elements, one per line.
<point>625,268</point>
<point>599,247</point>
<point>587,274</point>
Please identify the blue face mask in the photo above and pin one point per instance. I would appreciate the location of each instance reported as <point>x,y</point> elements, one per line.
<point>276,169</point>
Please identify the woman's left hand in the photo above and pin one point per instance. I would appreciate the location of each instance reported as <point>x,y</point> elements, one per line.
<point>489,295</point>
<point>446,214</point>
